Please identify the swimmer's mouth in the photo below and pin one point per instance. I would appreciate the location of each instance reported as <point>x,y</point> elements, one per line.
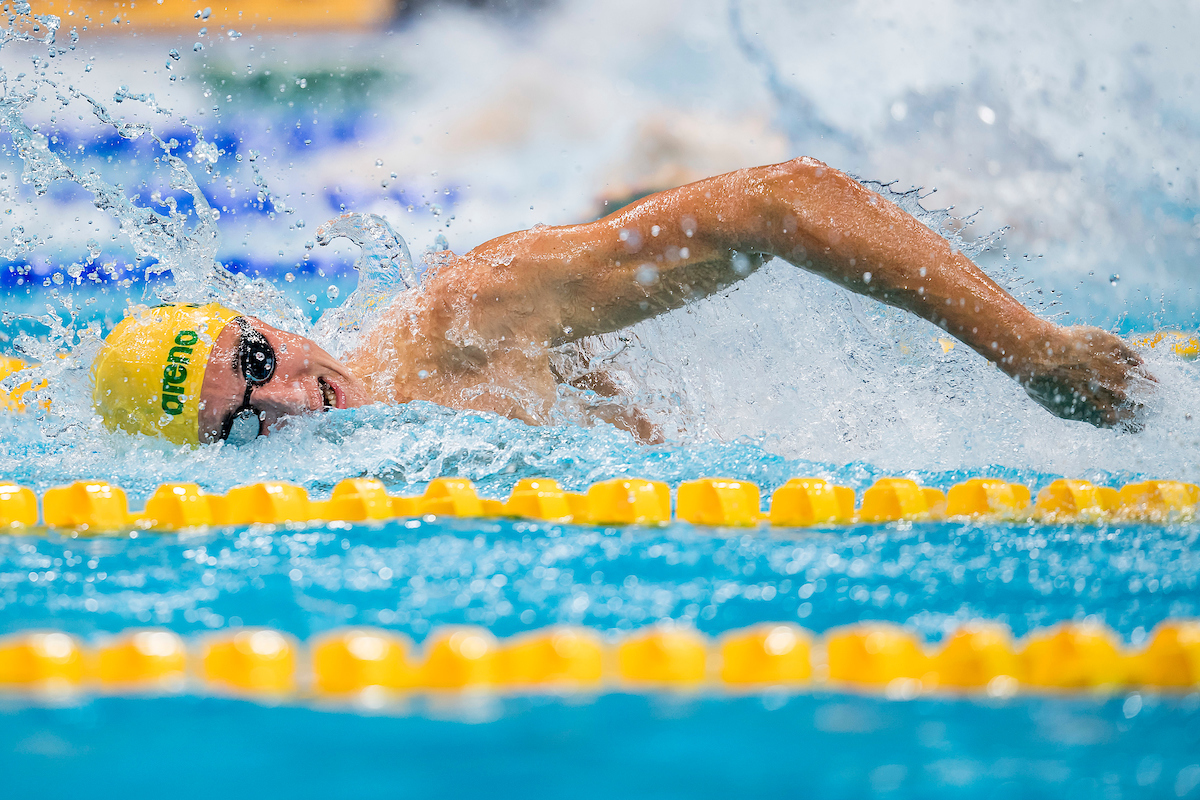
<point>329,398</point>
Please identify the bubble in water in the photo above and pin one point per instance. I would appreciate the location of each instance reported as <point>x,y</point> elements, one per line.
<point>197,47</point>
<point>312,298</point>
<point>1114,279</point>
<point>173,53</point>
<point>332,292</point>
<point>289,277</point>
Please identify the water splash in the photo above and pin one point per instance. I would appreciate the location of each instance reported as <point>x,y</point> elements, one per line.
<point>784,366</point>
<point>385,269</point>
<point>181,244</point>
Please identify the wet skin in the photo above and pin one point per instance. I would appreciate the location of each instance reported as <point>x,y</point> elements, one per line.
<point>477,334</point>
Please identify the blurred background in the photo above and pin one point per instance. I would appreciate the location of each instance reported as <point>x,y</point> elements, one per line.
<point>1061,137</point>
<point>1072,126</point>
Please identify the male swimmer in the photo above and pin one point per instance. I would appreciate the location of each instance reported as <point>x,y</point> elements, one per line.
<point>477,334</point>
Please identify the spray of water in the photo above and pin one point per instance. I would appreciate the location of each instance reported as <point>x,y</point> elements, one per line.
<point>784,374</point>
<point>385,268</point>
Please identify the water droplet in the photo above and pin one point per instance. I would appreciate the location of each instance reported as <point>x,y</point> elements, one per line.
<point>197,47</point>
<point>379,162</point>
<point>1114,279</point>
<point>289,277</point>
<point>312,298</point>
<point>332,292</point>
<point>173,53</point>
<point>647,275</point>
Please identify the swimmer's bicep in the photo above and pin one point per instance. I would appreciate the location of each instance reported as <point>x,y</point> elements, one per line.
<point>563,283</point>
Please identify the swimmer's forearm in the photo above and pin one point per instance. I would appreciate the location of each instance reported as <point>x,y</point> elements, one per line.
<point>822,220</point>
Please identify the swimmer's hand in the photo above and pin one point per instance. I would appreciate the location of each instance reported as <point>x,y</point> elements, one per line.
<point>1089,375</point>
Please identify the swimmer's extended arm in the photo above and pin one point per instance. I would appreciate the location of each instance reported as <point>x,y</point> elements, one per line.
<point>657,253</point>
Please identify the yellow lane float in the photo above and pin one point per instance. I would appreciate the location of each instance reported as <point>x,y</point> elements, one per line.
<point>18,506</point>
<point>254,660</point>
<point>1182,344</point>
<point>718,501</point>
<point>92,507</point>
<point>358,659</point>
<point>539,498</point>
<point>890,499</point>
<point>457,658</point>
<point>1172,658</point>
<point>41,659</point>
<point>1072,656</point>
<point>668,656</point>
<point>1071,500</point>
<point>146,658</point>
<point>811,501</point>
<point>557,656</point>
<point>767,655</point>
<point>975,656</point>
<point>874,653</point>
<point>629,501</point>
<point>987,496</point>
<point>979,657</point>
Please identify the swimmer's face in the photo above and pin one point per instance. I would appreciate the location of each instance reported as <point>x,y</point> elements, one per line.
<point>285,374</point>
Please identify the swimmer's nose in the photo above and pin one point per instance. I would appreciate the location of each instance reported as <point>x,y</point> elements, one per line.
<point>279,398</point>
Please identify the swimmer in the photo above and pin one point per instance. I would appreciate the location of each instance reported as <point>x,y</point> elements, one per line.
<point>478,332</point>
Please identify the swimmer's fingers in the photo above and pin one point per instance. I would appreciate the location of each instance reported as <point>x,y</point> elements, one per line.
<point>1092,377</point>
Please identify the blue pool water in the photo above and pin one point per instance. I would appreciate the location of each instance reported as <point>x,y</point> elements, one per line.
<point>510,577</point>
<point>1080,145</point>
<point>412,576</point>
<point>617,745</point>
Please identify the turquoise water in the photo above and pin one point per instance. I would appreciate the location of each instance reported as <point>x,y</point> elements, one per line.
<point>617,745</point>
<point>412,576</point>
<point>1087,160</point>
<point>511,577</point>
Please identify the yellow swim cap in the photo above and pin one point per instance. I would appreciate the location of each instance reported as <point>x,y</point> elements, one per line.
<point>149,374</point>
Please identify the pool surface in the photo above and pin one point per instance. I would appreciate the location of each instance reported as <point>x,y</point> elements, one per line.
<point>1073,129</point>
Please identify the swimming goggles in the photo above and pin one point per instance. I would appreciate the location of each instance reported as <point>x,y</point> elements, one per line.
<point>256,360</point>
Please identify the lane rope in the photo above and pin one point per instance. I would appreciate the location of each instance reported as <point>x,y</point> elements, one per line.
<point>980,658</point>
<point>97,507</point>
